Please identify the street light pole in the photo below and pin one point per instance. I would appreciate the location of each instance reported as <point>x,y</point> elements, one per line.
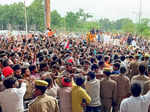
<point>25,15</point>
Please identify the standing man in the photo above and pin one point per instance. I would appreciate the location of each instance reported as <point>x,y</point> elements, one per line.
<point>146,61</point>
<point>50,33</point>
<point>79,96</point>
<point>11,99</point>
<point>136,103</point>
<point>108,91</point>
<point>123,86</point>
<point>43,103</point>
<point>133,66</point>
<point>93,89</point>
<point>116,69</point>
<point>64,95</point>
<point>107,62</point>
<point>17,71</point>
<point>86,67</point>
<point>130,39</point>
<point>98,36</point>
<point>141,78</point>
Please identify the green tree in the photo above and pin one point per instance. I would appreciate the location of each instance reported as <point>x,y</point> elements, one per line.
<point>129,27</point>
<point>121,22</point>
<point>82,15</point>
<point>36,14</point>
<point>12,14</point>
<point>90,25</point>
<point>56,20</point>
<point>71,20</point>
<point>143,28</point>
<point>105,24</point>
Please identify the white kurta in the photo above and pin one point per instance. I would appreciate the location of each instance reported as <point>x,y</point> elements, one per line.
<point>107,39</point>
<point>11,100</point>
<point>136,104</point>
<point>134,43</point>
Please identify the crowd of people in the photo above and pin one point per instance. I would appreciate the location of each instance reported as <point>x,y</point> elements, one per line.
<point>98,72</point>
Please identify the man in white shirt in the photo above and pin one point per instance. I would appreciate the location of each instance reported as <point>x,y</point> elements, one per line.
<point>136,103</point>
<point>11,99</point>
<point>134,43</point>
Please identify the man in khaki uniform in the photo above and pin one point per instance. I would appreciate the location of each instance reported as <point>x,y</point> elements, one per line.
<point>29,92</point>
<point>141,78</point>
<point>146,89</point>
<point>123,86</point>
<point>30,87</point>
<point>133,67</point>
<point>43,103</point>
<point>146,61</point>
<point>108,91</point>
<point>146,86</point>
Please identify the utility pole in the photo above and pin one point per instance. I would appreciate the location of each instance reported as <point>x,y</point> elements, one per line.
<point>140,15</point>
<point>47,14</point>
<point>25,15</point>
<point>140,12</point>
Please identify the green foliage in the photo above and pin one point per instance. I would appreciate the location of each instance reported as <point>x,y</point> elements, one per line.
<point>71,20</point>
<point>35,13</point>
<point>129,27</point>
<point>56,20</point>
<point>106,24</point>
<point>13,14</point>
<point>119,24</point>
<point>83,16</point>
<point>144,27</point>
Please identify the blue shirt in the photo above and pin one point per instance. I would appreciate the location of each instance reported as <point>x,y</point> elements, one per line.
<point>116,72</point>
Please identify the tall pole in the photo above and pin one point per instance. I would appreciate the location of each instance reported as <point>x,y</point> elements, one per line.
<point>140,15</point>
<point>47,14</point>
<point>140,12</point>
<point>25,15</point>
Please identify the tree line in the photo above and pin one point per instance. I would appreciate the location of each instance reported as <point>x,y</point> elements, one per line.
<point>13,15</point>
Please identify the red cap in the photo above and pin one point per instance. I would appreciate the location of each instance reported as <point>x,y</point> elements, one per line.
<point>66,84</point>
<point>7,71</point>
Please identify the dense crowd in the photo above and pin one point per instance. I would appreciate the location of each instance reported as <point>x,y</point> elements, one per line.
<point>97,72</point>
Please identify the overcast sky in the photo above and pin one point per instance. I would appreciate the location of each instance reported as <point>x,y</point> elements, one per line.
<point>112,9</point>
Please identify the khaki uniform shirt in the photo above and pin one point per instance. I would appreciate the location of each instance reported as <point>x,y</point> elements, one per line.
<point>108,93</point>
<point>123,88</point>
<point>146,86</point>
<point>133,69</point>
<point>145,63</point>
<point>29,91</point>
<point>141,79</point>
<point>44,103</point>
<point>123,85</point>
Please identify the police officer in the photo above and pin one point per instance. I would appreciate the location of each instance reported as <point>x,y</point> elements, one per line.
<point>42,102</point>
<point>108,91</point>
